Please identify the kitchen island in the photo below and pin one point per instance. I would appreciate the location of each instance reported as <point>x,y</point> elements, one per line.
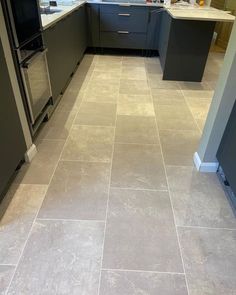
<point>181,35</point>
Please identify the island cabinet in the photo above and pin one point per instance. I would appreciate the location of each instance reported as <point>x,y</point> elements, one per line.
<point>66,42</point>
<point>154,27</point>
<point>93,11</point>
<point>124,26</point>
<point>12,147</point>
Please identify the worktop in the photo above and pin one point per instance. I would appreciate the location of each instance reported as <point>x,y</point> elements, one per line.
<point>177,12</point>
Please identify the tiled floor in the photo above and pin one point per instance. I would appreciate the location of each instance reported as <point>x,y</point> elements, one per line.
<point>111,204</point>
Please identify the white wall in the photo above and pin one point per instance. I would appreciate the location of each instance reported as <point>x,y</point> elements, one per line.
<point>221,107</point>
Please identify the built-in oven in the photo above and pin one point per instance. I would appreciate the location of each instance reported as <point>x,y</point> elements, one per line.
<point>36,82</point>
<point>24,19</point>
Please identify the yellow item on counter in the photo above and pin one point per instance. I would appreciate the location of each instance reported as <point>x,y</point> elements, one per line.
<point>201,2</point>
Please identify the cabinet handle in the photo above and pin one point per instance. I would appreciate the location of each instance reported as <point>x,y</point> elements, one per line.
<point>124,14</point>
<point>126,5</point>
<point>123,32</point>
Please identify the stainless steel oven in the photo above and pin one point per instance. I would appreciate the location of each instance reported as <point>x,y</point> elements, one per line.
<point>36,81</point>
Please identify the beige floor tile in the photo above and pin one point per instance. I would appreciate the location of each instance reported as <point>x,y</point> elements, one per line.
<point>99,75</point>
<point>6,273</point>
<point>138,166</point>
<point>18,219</point>
<point>108,59</point>
<point>99,114</point>
<point>127,282</point>
<point>198,199</point>
<point>136,129</point>
<point>133,73</point>
<point>179,146</point>
<point>140,232</point>
<point>79,190</point>
<point>174,117</point>
<point>128,98</point>
<point>58,126</point>
<point>199,108</point>
<point>108,66</point>
<point>200,94</point>
<point>168,97</point>
<point>201,123</point>
<point>154,68</point>
<point>40,170</point>
<point>89,143</point>
<point>135,109</point>
<point>163,84</point>
<point>153,79</point>
<point>133,61</point>
<point>134,87</point>
<point>194,86</point>
<point>60,257</point>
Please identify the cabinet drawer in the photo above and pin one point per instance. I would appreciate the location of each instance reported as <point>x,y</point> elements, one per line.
<point>122,8</point>
<point>132,22</point>
<point>123,39</point>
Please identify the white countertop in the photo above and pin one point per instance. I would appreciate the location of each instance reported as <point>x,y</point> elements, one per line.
<point>178,12</point>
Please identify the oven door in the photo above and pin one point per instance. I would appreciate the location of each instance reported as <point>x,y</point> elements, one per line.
<point>25,20</point>
<point>37,83</point>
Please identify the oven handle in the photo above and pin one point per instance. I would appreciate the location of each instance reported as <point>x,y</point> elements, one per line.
<point>32,60</point>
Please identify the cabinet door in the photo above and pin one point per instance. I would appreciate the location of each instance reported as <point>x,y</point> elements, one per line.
<point>12,143</point>
<point>82,31</point>
<point>154,25</point>
<point>93,25</point>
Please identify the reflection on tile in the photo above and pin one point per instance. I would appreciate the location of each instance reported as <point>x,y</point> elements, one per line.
<point>133,73</point>
<point>163,84</point>
<point>140,232</point>
<point>179,146</point>
<point>128,98</point>
<point>135,109</point>
<point>58,126</point>
<point>198,199</point>
<point>89,143</point>
<point>175,117</point>
<point>134,87</point>
<point>100,114</point>
<point>60,257</point>
<point>132,129</point>
<point>133,61</point>
<point>138,166</point>
<point>168,97</point>
<point>199,108</point>
<point>100,75</point>
<point>40,170</point>
<point>210,260</point>
<point>6,273</point>
<point>17,221</point>
<point>78,190</point>
<point>200,94</point>
<point>134,283</point>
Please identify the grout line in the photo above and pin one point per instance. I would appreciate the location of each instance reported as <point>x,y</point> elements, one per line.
<point>139,189</point>
<point>36,215</point>
<point>206,227</point>
<point>108,199</point>
<point>7,264</point>
<point>171,202</point>
<point>137,143</point>
<point>143,271</point>
<point>69,220</point>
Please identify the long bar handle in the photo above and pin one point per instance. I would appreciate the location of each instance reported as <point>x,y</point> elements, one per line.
<point>123,32</point>
<point>124,14</point>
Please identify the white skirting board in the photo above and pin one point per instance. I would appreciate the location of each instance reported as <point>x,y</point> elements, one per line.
<point>30,154</point>
<point>204,166</point>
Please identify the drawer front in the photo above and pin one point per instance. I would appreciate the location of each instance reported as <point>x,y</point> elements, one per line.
<point>122,8</point>
<point>123,39</point>
<point>128,21</point>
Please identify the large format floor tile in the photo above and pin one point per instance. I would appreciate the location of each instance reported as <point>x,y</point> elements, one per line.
<point>134,283</point>
<point>78,190</point>
<point>99,114</point>
<point>179,146</point>
<point>198,199</point>
<point>136,129</point>
<point>135,109</point>
<point>60,257</point>
<point>89,143</point>
<point>175,117</point>
<point>18,219</point>
<point>138,166</point>
<point>6,273</point>
<point>135,98</point>
<point>168,97</point>
<point>134,87</point>
<point>140,232</point>
<point>210,260</point>
<point>41,169</point>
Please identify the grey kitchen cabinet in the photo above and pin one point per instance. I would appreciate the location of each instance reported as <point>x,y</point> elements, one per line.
<point>123,26</point>
<point>12,147</point>
<point>154,27</point>
<point>66,42</point>
<point>93,18</point>
<point>164,37</point>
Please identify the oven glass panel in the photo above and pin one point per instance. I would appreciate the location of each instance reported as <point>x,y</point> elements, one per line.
<point>26,17</point>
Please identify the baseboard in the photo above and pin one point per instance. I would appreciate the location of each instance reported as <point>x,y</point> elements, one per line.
<point>30,153</point>
<point>204,166</point>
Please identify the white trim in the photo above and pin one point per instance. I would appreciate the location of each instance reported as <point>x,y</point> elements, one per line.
<point>30,153</point>
<point>204,167</point>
